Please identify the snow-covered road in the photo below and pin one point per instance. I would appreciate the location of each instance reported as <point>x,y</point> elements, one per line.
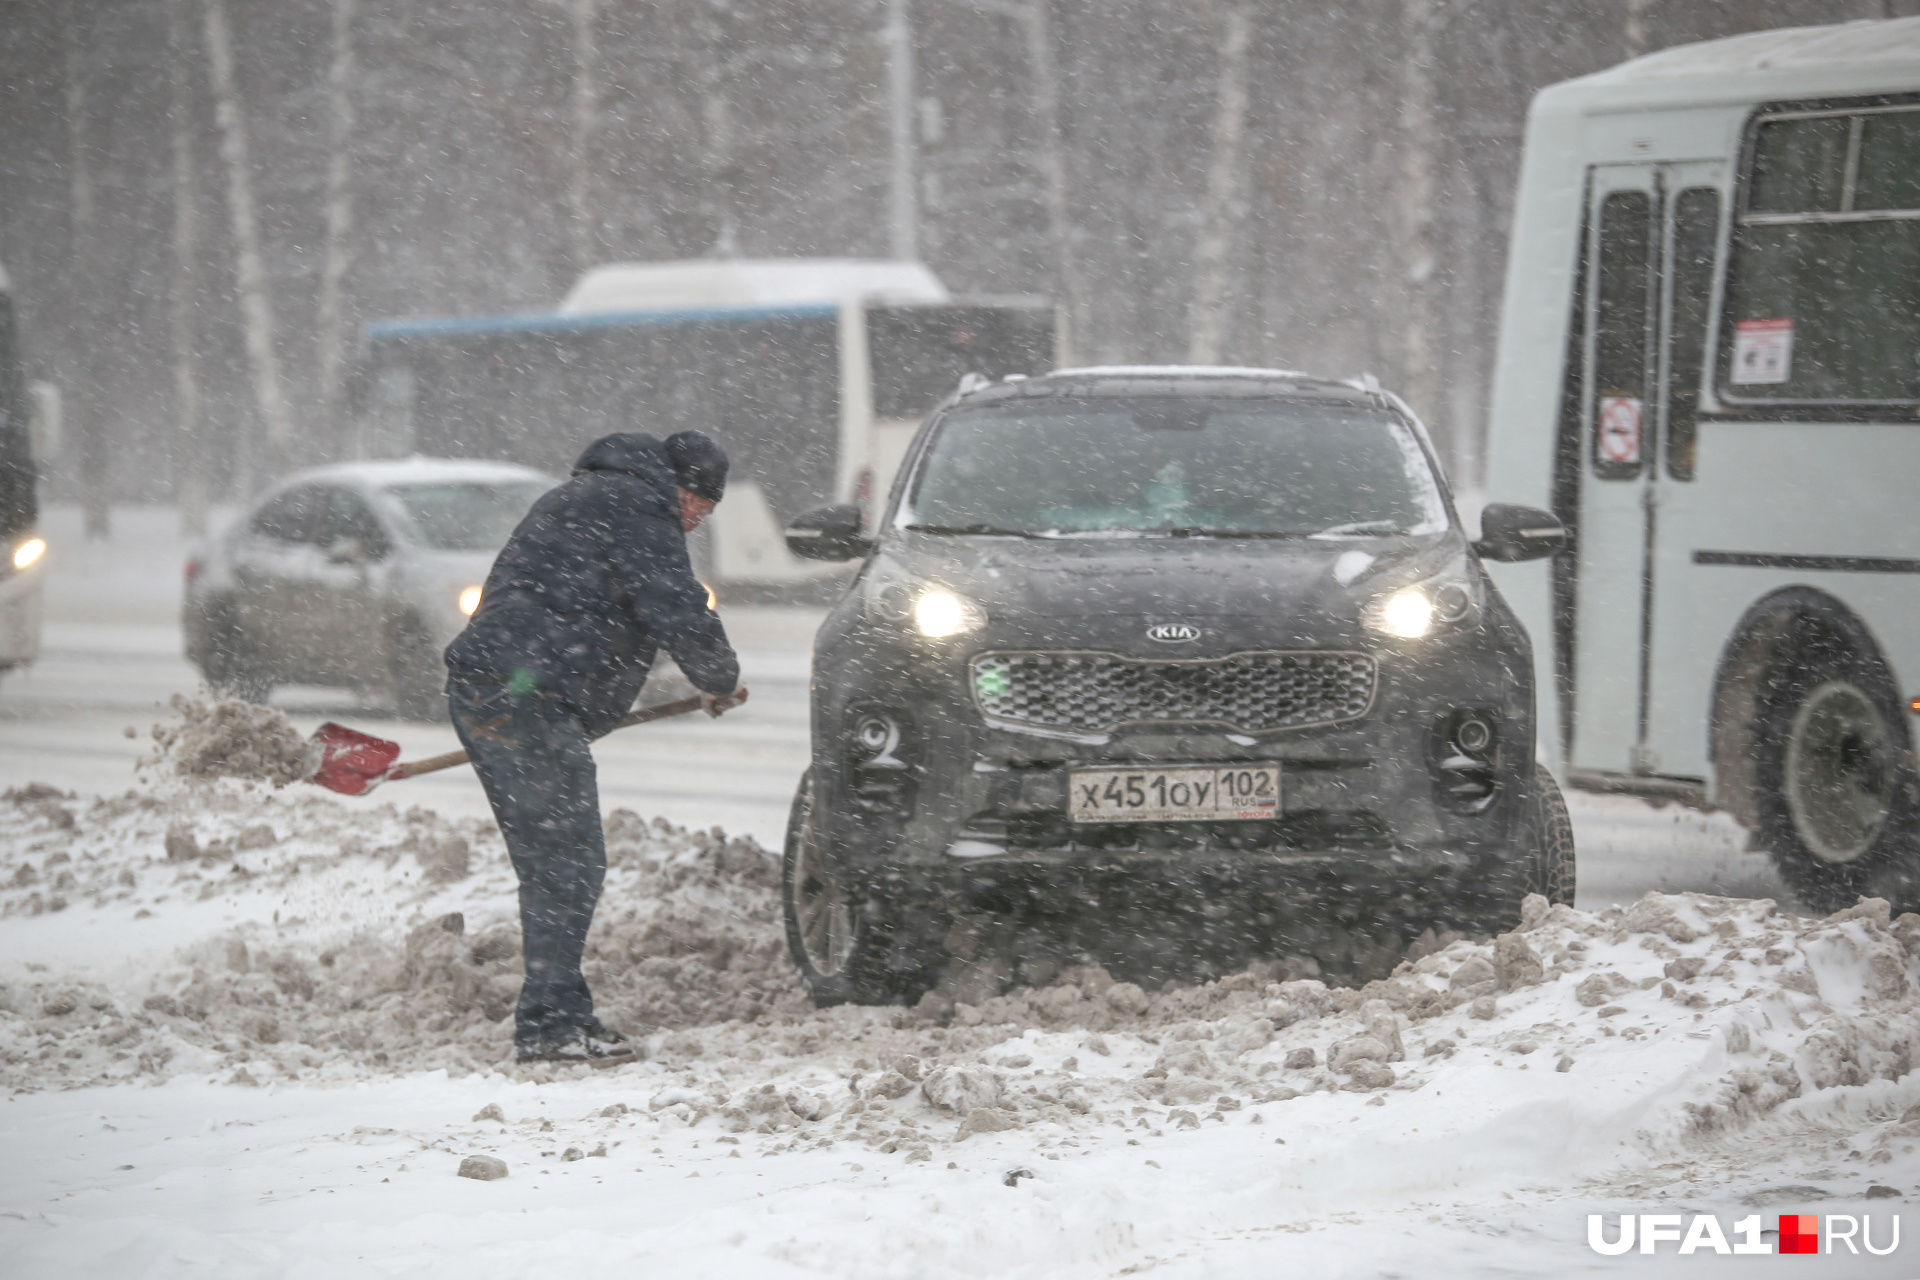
<point>265,1051</point>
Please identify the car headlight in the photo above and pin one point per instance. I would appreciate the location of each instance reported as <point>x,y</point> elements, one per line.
<point>469,600</point>
<point>28,552</point>
<point>938,613</point>
<point>1445,603</point>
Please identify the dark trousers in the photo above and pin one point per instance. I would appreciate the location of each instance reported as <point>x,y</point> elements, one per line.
<point>533,759</point>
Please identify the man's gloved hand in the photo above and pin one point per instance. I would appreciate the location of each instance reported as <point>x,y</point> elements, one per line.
<point>714,704</point>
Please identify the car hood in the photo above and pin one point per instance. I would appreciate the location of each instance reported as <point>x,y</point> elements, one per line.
<point>1169,579</point>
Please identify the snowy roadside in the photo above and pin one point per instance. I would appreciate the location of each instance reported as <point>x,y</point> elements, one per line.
<point>245,1031</point>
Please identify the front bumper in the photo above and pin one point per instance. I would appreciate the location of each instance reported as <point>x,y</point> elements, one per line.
<point>961,806</point>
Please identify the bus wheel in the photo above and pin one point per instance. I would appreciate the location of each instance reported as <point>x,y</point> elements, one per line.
<point>839,944</point>
<point>1834,795</point>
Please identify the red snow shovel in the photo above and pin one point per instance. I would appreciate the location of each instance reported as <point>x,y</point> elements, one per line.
<point>354,763</point>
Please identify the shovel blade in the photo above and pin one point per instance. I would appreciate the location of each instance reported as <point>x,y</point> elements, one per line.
<point>351,762</point>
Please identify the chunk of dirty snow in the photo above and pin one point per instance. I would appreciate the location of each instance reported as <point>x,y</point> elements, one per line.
<point>960,1090</point>
<point>483,1168</point>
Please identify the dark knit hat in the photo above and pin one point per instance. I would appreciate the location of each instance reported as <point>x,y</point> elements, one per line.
<point>699,464</point>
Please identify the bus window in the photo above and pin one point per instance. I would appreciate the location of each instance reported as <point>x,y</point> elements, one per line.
<point>1620,335</point>
<point>1696,229</point>
<point>1889,169</point>
<point>1799,165</point>
<point>1823,283</point>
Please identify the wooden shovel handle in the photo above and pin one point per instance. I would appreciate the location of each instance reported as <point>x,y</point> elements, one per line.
<point>641,715</point>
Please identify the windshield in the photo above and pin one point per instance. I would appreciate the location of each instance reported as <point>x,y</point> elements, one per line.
<point>1229,468</point>
<point>465,516</point>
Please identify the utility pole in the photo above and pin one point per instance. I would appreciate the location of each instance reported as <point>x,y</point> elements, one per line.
<point>903,194</point>
<point>189,450</point>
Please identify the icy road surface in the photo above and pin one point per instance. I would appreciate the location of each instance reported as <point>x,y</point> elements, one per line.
<point>249,1033</point>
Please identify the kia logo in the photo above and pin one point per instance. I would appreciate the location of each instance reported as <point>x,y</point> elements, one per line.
<point>1173,632</point>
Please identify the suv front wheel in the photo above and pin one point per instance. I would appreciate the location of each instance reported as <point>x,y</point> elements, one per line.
<point>839,943</point>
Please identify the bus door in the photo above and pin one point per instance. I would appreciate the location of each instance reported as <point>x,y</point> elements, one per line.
<point>1644,329</point>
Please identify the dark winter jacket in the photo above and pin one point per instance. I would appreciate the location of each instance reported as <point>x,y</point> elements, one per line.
<point>594,581</point>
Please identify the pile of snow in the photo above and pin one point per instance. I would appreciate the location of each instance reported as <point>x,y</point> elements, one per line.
<point>371,940</point>
<point>230,738</point>
<point>382,942</point>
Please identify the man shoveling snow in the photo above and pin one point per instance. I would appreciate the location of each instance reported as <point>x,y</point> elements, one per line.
<point>594,581</point>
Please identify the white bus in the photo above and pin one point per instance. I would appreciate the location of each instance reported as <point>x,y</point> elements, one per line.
<point>1709,368</point>
<point>22,550</point>
<point>815,373</point>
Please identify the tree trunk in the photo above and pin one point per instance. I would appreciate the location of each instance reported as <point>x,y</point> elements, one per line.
<point>1207,322</point>
<point>90,433</point>
<point>903,197</point>
<point>586,124</point>
<point>1417,143</point>
<point>330,338</point>
<point>189,451</point>
<point>1071,323</point>
<point>256,308</point>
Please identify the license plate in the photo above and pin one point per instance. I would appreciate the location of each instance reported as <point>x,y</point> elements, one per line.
<point>1209,794</point>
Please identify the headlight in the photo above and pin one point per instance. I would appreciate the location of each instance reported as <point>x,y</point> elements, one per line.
<point>469,600</point>
<point>938,613</point>
<point>1439,604</point>
<point>28,552</point>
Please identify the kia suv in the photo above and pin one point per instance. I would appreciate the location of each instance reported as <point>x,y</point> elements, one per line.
<point>1133,642</point>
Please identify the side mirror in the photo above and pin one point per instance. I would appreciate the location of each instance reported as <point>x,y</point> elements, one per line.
<point>347,551</point>
<point>828,533</point>
<point>1510,533</point>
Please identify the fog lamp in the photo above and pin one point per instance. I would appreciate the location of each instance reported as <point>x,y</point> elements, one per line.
<point>469,600</point>
<point>28,552</point>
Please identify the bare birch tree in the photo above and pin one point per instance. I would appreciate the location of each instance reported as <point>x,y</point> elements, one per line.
<point>82,272</point>
<point>189,452</point>
<point>585,125</point>
<point>1416,197</point>
<point>1219,212</point>
<point>256,307</point>
<point>330,321</point>
<point>1071,323</point>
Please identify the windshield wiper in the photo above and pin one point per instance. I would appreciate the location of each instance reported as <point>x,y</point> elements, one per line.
<point>981,529</point>
<point>1361,528</point>
<point>1198,531</point>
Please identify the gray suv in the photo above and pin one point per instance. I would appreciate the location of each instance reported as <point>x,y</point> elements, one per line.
<point>1131,647</point>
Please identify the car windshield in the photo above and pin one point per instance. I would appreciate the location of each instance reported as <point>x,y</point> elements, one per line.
<point>1223,468</point>
<point>465,516</point>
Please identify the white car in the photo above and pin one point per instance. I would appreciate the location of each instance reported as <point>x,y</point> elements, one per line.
<point>356,574</point>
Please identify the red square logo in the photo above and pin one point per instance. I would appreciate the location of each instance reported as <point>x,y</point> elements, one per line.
<point>1799,1233</point>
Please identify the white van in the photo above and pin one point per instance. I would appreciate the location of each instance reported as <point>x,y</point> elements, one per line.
<point>814,372</point>
<point>1709,368</point>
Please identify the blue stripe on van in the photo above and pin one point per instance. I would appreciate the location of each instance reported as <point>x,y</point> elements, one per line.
<point>552,322</point>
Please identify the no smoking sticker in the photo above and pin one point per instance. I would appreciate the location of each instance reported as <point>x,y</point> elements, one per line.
<point>1619,429</point>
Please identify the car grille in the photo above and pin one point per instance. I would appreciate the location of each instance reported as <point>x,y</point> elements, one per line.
<point>1096,692</point>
